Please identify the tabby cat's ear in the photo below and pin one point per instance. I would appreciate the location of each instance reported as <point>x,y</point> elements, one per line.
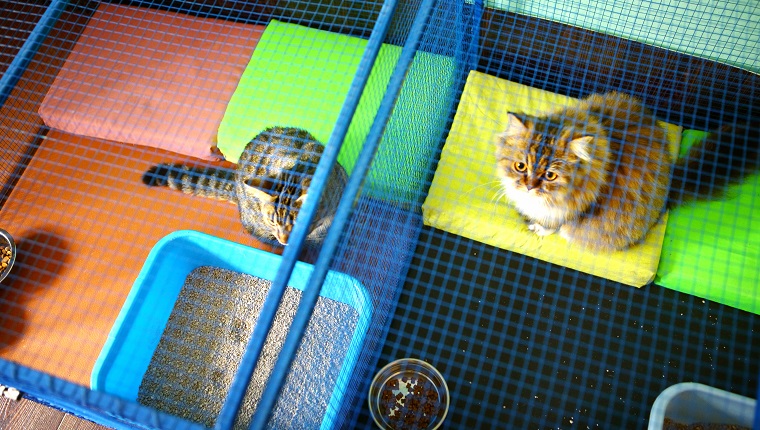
<point>305,183</point>
<point>515,126</point>
<point>581,147</point>
<point>260,188</point>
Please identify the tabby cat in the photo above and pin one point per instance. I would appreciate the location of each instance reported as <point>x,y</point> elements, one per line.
<point>600,173</point>
<point>269,185</point>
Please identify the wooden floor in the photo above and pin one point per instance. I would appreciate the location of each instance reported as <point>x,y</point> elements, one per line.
<point>25,414</point>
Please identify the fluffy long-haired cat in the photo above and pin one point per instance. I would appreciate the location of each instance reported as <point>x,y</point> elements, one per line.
<point>601,175</point>
<point>269,185</point>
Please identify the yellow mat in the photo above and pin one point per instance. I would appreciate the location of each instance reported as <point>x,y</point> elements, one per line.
<point>464,197</point>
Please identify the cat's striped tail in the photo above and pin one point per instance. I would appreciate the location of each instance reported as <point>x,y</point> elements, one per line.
<point>725,157</point>
<point>198,181</point>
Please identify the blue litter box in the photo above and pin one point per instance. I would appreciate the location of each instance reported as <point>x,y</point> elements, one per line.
<point>137,331</point>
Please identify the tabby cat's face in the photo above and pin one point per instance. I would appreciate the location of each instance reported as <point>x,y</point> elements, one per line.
<point>543,168</point>
<point>280,217</point>
<point>279,204</point>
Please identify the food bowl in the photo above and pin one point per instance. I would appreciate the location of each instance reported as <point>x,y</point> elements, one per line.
<point>7,253</point>
<point>408,394</point>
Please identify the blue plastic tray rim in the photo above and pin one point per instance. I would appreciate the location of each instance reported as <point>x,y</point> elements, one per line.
<point>200,249</point>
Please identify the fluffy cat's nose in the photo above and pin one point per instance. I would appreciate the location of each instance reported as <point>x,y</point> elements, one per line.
<point>532,183</point>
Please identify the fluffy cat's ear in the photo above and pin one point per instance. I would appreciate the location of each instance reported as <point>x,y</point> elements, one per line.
<point>515,126</point>
<point>260,188</point>
<point>581,147</point>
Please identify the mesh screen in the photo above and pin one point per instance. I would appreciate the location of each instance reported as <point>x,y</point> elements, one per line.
<point>438,169</point>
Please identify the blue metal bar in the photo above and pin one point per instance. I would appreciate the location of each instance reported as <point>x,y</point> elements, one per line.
<point>311,293</point>
<point>467,54</point>
<point>472,45</point>
<point>29,48</point>
<point>297,238</point>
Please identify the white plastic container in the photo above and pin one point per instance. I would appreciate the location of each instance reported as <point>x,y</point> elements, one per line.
<point>690,403</point>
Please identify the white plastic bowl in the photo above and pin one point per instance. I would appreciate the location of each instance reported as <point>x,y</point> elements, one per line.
<point>396,378</point>
<point>690,402</point>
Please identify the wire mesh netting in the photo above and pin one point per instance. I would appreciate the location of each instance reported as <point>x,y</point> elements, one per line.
<point>233,214</point>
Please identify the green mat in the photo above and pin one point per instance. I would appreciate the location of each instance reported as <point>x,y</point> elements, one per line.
<point>712,249</point>
<point>300,77</point>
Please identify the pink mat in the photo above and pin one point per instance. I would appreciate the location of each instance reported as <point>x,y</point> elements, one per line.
<point>151,78</point>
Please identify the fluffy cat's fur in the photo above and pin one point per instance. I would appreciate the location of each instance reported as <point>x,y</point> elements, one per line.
<point>269,185</point>
<point>601,173</point>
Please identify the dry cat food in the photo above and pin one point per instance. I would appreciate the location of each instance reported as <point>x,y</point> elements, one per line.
<point>6,253</point>
<point>409,403</point>
<point>669,424</point>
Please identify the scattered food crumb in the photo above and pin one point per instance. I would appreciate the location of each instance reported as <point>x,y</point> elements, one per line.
<point>673,425</point>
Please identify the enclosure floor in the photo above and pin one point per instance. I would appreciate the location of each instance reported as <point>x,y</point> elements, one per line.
<point>25,414</point>
<point>81,244</point>
<point>525,344</point>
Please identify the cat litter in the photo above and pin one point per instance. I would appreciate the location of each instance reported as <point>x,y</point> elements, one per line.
<point>202,318</point>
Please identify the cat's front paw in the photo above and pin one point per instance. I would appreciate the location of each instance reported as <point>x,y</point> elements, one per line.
<point>540,230</point>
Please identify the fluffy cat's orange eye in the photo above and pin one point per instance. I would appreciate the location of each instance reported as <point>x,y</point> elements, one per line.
<point>520,166</point>
<point>550,176</point>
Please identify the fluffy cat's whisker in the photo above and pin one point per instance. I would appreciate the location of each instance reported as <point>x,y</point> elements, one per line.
<point>490,184</point>
<point>498,195</point>
<point>495,202</point>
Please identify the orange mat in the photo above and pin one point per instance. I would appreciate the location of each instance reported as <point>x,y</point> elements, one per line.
<point>84,224</point>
